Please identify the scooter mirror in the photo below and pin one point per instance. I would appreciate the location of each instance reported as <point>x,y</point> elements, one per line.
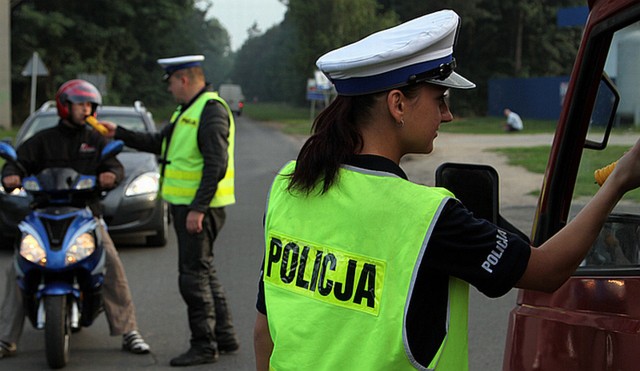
<point>112,148</point>
<point>7,152</point>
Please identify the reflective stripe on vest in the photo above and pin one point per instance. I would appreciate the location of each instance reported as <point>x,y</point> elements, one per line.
<point>183,172</point>
<point>340,268</point>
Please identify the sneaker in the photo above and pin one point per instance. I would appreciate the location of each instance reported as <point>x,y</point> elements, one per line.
<point>7,349</point>
<point>194,357</point>
<point>133,342</point>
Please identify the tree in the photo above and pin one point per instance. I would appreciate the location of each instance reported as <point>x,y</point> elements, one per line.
<point>121,39</point>
<point>263,65</point>
<point>286,54</point>
<point>502,38</point>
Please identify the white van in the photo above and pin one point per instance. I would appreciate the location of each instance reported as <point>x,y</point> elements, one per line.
<point>232,94</point>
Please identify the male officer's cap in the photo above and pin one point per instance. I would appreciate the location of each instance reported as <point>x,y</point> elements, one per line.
<point>173,64</point>
<point>420,50</point>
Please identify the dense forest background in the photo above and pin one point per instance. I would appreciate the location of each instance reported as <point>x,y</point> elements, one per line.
<point>122,39</point>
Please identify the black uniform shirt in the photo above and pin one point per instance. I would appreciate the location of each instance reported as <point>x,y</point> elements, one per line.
<point>460,246</point>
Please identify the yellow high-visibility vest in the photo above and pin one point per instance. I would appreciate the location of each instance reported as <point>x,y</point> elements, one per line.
<point>183,170</point>
<point>339,271</point>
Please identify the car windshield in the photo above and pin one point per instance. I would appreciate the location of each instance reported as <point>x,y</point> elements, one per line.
<point>130,122</point>
<point>39,123</point>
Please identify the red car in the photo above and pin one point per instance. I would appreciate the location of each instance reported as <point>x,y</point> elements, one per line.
<point>593,321</point>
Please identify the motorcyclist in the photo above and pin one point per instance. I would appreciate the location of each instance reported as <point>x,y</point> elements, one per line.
<point>72,144</point>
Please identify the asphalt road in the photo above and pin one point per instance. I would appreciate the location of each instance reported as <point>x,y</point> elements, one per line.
<point>152,273</point>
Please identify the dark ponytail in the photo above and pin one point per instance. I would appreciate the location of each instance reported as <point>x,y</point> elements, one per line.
<point>336,137</point>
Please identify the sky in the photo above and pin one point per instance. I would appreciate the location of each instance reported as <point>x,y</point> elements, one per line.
<point>238,15</point>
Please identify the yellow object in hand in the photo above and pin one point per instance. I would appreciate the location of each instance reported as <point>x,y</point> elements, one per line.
<point>96,125</point>
<point>603,173</point>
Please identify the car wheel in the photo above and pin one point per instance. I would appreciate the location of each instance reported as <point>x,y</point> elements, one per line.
<point>162,233</point>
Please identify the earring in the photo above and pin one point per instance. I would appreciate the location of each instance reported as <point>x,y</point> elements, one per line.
<point>400,124</point>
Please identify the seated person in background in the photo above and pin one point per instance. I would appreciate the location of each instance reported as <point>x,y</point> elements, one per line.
<point>514,122</point>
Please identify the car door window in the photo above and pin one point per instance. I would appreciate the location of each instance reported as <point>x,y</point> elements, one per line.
<point>617,247</point>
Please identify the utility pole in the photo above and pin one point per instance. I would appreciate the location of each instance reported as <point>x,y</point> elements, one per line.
<point>5,64</point>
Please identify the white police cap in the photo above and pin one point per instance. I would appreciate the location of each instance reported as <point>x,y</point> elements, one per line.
<point>174,64</point>
<point>414,51</point>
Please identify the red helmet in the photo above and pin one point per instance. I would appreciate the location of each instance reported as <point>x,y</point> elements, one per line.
<point>76,91</point>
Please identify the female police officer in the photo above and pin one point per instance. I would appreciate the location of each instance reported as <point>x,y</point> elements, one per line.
<point>366,270</point>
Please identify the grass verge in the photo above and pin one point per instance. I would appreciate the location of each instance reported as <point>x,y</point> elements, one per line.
<point>290,119</point>
<point>535,159</point>
<point>494,125</point>
<point>297,120</point>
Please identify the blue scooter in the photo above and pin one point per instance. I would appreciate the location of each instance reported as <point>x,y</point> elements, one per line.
<point>60,264</point>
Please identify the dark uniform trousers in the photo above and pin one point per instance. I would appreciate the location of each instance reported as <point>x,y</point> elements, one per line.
<point>209,318</point>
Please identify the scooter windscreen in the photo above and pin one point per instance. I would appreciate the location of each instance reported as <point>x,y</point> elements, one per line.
<point>58,179</point>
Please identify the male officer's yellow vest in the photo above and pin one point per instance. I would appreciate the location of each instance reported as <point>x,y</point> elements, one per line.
<point>339,272</point>
<point>183,171</point>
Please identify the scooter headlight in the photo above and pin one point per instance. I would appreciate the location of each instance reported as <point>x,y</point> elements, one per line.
<point>82,247</point>
<point>31,250</point>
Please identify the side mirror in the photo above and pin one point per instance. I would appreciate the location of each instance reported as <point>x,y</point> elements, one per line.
<point>603,114</point>
<point>476,186</point>
<point>112,148</point>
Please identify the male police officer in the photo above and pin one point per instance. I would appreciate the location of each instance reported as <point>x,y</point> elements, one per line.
<point>198,181</point>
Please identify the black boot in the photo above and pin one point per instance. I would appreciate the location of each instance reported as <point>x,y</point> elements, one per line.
<point>227,347</point>
<point>195,357</point>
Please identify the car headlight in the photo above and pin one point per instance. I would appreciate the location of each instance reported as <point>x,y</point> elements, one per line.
<point>83,246</point>
<point>31,250</point>
<point>147,183</point>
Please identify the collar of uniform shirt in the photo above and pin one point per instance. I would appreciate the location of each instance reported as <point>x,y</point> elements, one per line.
<point>378,163</point>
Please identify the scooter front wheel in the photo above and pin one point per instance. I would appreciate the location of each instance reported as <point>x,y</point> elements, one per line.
<point>57,330</point>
